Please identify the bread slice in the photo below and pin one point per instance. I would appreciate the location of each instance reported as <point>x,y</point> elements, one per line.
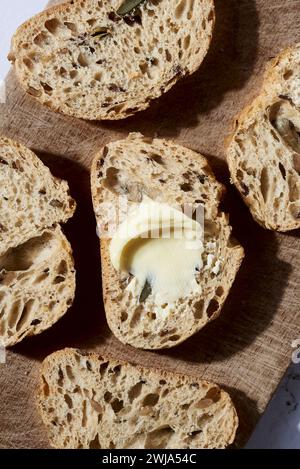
<point>109,59</point>
<point>37,275</point>
<point>166,172</point>
<point>37,285</point>
<point>31,199</point>
<point>88,401</point>
<point>264,150</point>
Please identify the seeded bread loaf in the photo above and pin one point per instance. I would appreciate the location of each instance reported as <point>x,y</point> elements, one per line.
<point>264,151</point>
<point>87,401</point>
<point>37,276</point>
<point>108,59</point>
<point>163,171</point>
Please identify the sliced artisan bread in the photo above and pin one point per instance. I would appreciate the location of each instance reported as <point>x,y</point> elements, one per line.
<point>165,172</point>
<point>31,199</point>
<point>37,275</point>
<point>108,59</point>
<point>37,285</point>
<point>88,401</point>
<point>264,150</point>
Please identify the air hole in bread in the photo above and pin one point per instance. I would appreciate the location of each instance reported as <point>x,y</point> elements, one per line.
<point>220,291</point>
<point>117,405</point>
<point>94,444</point>
<point>186,187</point>
<point>45,387</point>
<point>204,403</point>
<point>83,60</point>
<point>168,56</point>
<point>198,309</point>
<point>135,391</point>
<point>288,74</point>
<point>150,400</point>
<point>97,407</point>
<point>28,63</point>
<point>136,317</point>
<point>265,183</point>
<point>69,373</point>
<point>60,380</point>
<point>53,26</point>
<point>103,367</point>
<point>294,209</point>
<point>111,180</point>
<point>73,74</point>
<point>174,338</point>
<point>41,39</point>
<point>186,42</point>
<point>213,394</point>
<point>294,188</point>
<point>179,10</point>
<point>47,88</point>
<point>296,162</point>
<point>84,415</point>
<point>159,438</point>
<point>157,158</point>
<point>282,170</point>
<point>24,256</point>
<point>212,308</point>
<point>107,396</point>
<point>71,26</point>
<point>98,76</point>
<point>68,401</point>
<point>124,316</point>
<point>58,279</point>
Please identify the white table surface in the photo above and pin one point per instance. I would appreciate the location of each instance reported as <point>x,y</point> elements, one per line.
<point>280,425</point>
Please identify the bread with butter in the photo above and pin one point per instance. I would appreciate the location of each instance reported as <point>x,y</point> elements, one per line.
<point>37,275</point>
<point>264,151</point>
<point>163,172</point>
<point>89,401</point>
<point>109,59</point>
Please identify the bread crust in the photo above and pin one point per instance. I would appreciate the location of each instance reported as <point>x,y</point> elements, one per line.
<point>25,46</point>
<point>100,375</point>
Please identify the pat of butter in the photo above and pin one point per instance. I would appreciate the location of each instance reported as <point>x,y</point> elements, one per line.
<point>162,247</point>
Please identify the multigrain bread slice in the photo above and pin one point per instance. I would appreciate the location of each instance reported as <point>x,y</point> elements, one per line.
<point>166,172</point>
<point>37,285</point>
<point>264,150</point>
<point>37,275</point>
<point>89,401</point>
<point>31,199</point>
<point>109,59</point>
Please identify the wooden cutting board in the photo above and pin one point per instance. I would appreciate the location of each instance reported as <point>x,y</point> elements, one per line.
<point>248,348</point>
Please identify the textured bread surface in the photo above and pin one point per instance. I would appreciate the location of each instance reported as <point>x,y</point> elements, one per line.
<point>169,173</point>
<point>37,275</point>
<point>264,151</point>
<point>31,199</point>
<point>37,285</point>
<point>87,401</point>
<point>84,59</point>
